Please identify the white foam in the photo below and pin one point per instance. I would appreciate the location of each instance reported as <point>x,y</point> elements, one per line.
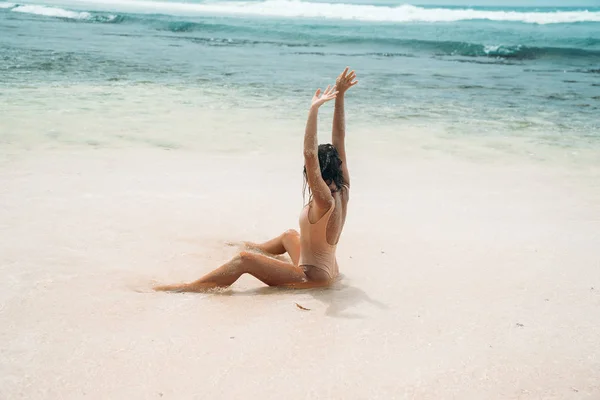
<point>299,9</point>
<point>491,49</point>
<point>52,12</point>
<point>7,5</point>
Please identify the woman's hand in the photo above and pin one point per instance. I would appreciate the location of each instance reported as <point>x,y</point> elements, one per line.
<point>319,99</point>
<point>345,81</point>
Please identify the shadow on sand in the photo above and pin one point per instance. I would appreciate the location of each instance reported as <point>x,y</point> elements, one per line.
<point>339,297</point>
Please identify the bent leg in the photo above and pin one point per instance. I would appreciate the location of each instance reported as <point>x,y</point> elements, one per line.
<point>271,271</point>
<point>287,242</point>
<point>268,270</point>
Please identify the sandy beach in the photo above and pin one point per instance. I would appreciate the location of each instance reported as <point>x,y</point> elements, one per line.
<point>469,271</point>
<point>142,142</point>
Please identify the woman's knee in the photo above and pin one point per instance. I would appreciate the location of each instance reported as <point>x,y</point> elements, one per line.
<point>244,256</point>
<point>291,233</point>
<point>243,259</point>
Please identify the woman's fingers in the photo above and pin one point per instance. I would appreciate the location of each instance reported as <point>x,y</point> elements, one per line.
<point>329,93</point>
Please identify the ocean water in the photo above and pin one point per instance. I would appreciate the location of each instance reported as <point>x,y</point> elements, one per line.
<point>527,72</point>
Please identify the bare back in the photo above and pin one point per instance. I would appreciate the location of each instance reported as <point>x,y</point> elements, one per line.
<point>338,217</point>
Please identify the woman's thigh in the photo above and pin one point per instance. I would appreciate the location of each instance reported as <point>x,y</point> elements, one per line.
<point>291,242</point>
<point>272,271</point>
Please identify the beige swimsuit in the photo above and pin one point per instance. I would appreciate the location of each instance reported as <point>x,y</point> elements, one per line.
<point>315,251</point>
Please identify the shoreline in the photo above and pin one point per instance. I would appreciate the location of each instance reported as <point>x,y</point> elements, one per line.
<point>199,119</point>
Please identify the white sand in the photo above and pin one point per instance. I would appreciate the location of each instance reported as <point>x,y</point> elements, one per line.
<point>465,277</point>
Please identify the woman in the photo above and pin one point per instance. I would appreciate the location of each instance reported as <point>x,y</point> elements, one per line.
<point>312,251</point>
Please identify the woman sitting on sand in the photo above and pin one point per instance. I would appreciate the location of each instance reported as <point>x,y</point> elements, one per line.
<point>312,251</point>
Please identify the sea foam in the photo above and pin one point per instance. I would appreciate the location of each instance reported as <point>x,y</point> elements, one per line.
<point>61,13</point>
<point>52,12</point>
<point>340,11</point>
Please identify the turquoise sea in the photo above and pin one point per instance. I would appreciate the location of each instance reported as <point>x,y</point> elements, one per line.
<point>473,69</point>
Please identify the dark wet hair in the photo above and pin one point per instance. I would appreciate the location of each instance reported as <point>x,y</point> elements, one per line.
<point>331,167</point>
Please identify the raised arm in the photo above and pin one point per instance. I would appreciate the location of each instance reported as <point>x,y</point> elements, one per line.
<point>338,134</point>
<point>318,187</point>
